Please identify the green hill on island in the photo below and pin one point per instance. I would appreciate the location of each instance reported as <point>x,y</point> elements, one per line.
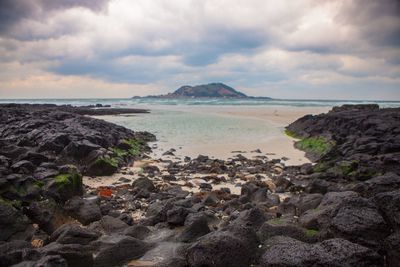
<point>211,90</point>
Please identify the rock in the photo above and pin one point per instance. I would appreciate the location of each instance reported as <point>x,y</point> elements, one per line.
<point>65,186</point>
<point>285,251</point>
<point>74,234</point>
<point>75,255</point>
<point>47,214</point>
<point>144,184</point>
<point>35,158</point>
<point>319,186</point>
<point>13,224</point>
<point>308,202</point>
<point>211,199</point>
<point>137,231</point>
<point>219,249</point>
<point>389,205</point>
<point>84,210</point>
<point>194,229</point>
<point>321,217</point>
<point>102,166</point>
<point>380,184</point>
<point>108,225</point>
<point>175,261</point>
<point>254,218</point>
<point>392,246</point>
<point>278,227</point>
<point>177,215</point>
<point>206,186</point>
<point>359,220</point>
<point>16,251</point>
<point>23,166</point>
<point>117,249</point>
<point>157,212</point>
<point>54,260</point>
<point>79,149</point>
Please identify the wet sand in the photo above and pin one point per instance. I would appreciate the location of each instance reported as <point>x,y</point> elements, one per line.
<point>275,144</point>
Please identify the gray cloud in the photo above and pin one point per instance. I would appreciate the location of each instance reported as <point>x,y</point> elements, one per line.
<point>306,44</point>
<point>14,11</point>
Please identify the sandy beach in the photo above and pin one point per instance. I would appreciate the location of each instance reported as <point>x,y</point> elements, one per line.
<point>221,131</point>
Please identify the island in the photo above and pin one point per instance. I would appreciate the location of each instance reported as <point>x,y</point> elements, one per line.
<point>211,90</point>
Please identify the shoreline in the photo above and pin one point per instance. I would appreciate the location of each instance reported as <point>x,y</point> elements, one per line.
<point>61,203</point>
<point>273,142</point>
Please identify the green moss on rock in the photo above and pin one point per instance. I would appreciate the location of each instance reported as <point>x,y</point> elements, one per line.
<point>292,134</point>
<point>311,233</point>
<point>319,145</point>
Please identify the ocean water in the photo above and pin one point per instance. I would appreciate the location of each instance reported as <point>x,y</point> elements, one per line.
<point>214,127</point>
<point>124,102</point>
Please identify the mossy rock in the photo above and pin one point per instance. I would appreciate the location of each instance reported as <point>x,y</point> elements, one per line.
<point>315,147</point>
<point>64,186</point>
<point>103,166</point>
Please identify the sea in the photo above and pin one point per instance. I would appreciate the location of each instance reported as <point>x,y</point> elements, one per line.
<point>214,127</point>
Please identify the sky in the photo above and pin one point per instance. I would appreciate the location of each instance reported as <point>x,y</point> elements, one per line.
<point>298,49</point>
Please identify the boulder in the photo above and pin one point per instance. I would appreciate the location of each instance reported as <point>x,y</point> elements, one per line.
<point>74,234</point>
<point>280,227</point>
<point>194,229</point>
<point>137,231</point>
<point>219,249</point>
<point>380,184</point>
<point>389,205</point>
<point>13,223</point>
<point>392,248</point>
<point>78,150</point>
<point>108,225</point>
<point>359,221</point>
<point>177,215</point>
<point>16,251</point>
<point>64,186</point>
<point>143,184</point>
<point>84,210</point>
<point>47,214</point>
<point>285,251</point>
<point>75,255</point>
<point>23,166</point>
<point>320,217</point>
<point>117,249</point>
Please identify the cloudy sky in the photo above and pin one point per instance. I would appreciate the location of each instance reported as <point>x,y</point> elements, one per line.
<point>314,49</point>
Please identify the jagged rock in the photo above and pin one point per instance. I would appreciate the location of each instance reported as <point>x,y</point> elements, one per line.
<point>144,184</point>
<point>75,255</point>
<point>47,214</point>
<point>23,166</point>
<point>117,249</point>
<point>320,217</point>
<point>137,231</point>
<point>13,223</point>
<point>359,220</point>
<point>392,246</point>
<point>279,227</point>
<point>219,249</point>
<point>108,225</point>
<point>64,186</point>
<point>84,210</point>
<point>380,184</point>
<point>74,234</point>
<point>177,215</point>
<point>194,229</point>
<point>389,204</point>
<point>16,251</point>
<point>285,251</point>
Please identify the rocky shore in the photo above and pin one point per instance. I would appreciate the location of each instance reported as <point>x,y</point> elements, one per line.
<point>344,210</point>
